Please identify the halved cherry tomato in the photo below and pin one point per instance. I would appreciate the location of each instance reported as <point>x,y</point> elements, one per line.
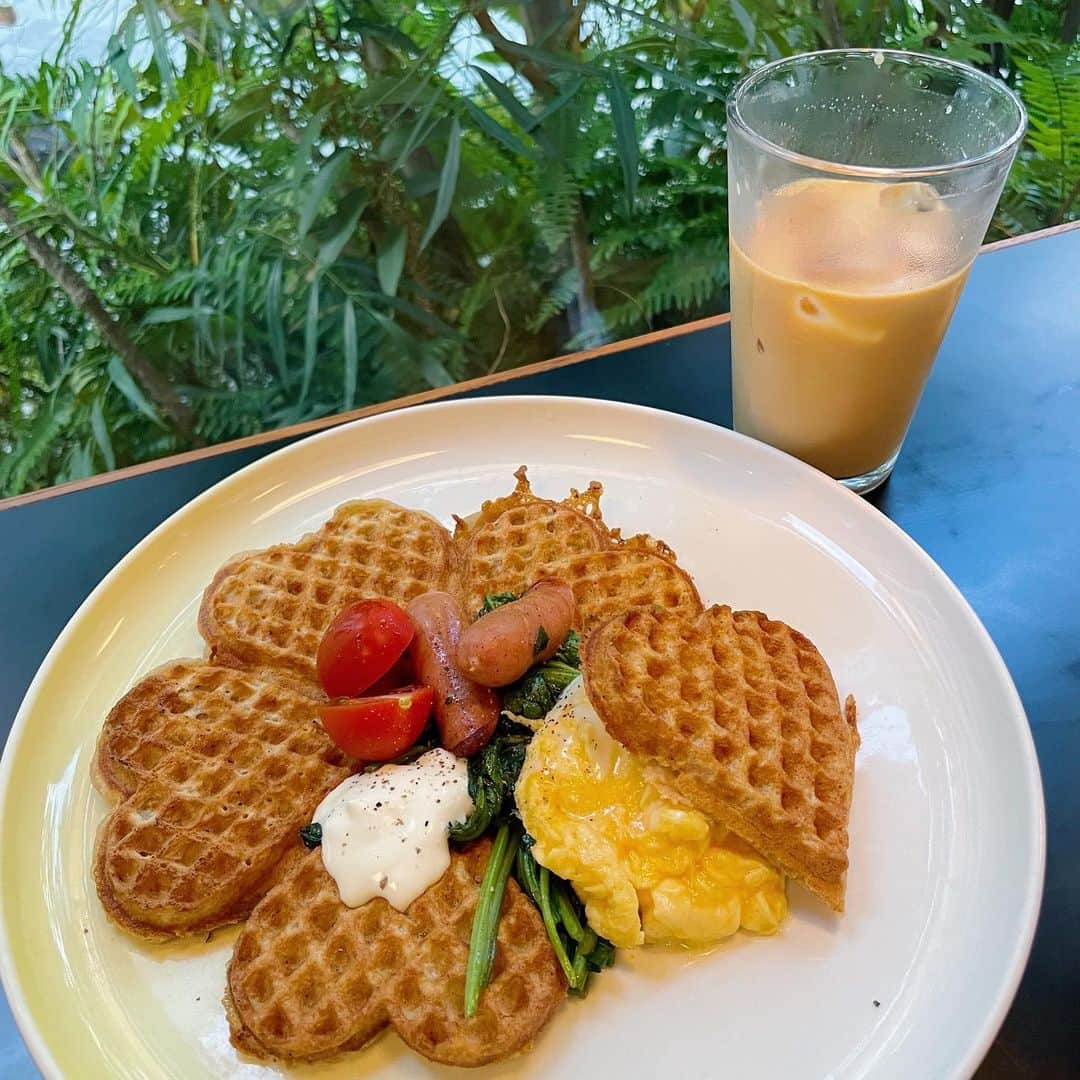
<point>403,673</point>
<point>378,728</point>
<point>361,645</point>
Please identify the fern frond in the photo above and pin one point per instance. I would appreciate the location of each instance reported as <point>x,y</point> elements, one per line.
<point>688,279</point>
<point>1051,91</point>
<point>230,414</point>
<point>31,451</point>
<point>557,298</point>
<point>155,136</point>
<point>558,207</point>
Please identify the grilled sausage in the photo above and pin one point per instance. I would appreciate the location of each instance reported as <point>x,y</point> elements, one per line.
<point>503,644</point>
<point>466,714</point>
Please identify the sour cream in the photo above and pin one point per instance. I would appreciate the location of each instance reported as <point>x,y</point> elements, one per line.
<point>384,832</point>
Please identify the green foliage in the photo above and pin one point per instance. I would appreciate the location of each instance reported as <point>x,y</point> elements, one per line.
<point>1044,187</point>
<point>295,209</point>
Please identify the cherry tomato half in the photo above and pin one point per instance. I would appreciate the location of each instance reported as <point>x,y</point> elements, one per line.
<point>361,645</point>
<point>403,673</point>
<point>378,728</point>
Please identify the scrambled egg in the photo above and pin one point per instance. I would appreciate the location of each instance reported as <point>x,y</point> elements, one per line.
<point>647,867</point>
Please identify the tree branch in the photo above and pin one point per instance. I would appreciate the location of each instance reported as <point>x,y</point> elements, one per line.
<point>574,41</point>
<point>1003,9</point>
<point>1070,22</point>
<point>835,37</point>
<point>115,334</point>
<point>184,27</point>
<point>505,48</point>
<point>588,325</point>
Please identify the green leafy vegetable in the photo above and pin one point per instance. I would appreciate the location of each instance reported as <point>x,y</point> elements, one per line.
<point>578,948</point>
<point>493,600</point>
<point>570,651</point>
<point>602,956</point>
<point>559,675</point>
<point>492,776</point>
<point>530,697</point>
<point>551,924</point>
<point>541,642</point>
<point>569,917</point>
<point>485,927</point>
<point>534,694</point>
<point>311,835</point>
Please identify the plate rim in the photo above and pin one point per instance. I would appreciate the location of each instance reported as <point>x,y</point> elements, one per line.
<point>982,1038</point>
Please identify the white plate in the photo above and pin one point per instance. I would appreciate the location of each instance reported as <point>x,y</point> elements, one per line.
<point>947,829</point>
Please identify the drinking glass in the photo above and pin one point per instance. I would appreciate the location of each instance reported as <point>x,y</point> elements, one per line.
<point>860,185</point>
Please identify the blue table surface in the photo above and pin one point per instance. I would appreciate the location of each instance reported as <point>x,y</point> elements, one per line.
<point>988,484</point>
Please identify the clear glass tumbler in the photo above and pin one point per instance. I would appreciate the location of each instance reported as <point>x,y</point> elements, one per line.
<point>860,186</point>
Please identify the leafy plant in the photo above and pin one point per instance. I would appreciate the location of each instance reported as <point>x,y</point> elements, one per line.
<point>248,215</point>
<point>1044,187</point>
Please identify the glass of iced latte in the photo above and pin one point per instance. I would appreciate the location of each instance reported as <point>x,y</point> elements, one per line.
<point>861,183</point>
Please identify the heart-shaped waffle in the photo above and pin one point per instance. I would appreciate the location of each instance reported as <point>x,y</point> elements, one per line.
<point>743,712</point>
<point>168,708</point>
<point>216,769</point>
<point>516,540</point>
<point>632,575</point>
<point>310,977</point>
<point>270,608</point>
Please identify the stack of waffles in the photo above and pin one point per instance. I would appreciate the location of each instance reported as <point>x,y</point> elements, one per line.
<point>214,764</point>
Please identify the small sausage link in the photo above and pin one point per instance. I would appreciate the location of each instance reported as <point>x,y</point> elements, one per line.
<point>503,644</point>
<point>466,714</point>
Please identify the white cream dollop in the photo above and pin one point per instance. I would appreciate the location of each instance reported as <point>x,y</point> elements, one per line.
<point>384,833</point>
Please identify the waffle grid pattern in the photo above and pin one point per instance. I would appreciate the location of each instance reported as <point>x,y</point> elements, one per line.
<point>606,583</point>
<point>310,977</point>
<point>270,608</point>
<point>166,709</point>
<point>168,863</point>
<point>519,539</point>
<point>744,712</point>
<point>522,544</point>
<point>238,763</point>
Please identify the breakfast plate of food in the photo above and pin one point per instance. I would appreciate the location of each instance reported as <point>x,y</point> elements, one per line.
<point>531,735</point>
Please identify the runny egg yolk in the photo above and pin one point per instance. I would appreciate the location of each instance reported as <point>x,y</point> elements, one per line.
<point>647,867</point>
